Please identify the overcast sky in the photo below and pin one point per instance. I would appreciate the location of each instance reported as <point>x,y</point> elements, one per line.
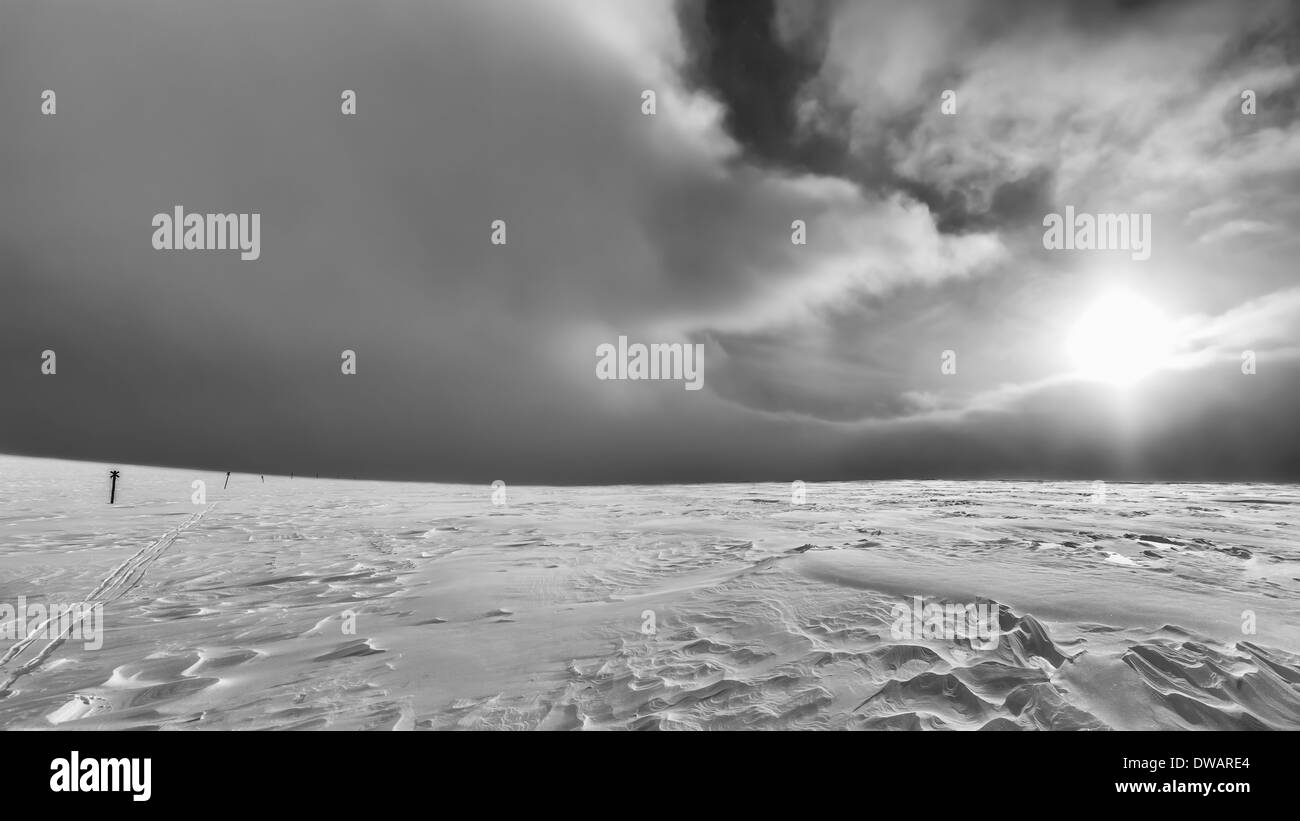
<point>477,362</point>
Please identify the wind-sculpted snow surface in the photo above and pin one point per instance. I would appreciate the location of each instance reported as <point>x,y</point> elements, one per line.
<point>305,603</point>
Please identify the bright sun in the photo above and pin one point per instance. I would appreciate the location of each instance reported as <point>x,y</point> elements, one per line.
<point>1120,339</point>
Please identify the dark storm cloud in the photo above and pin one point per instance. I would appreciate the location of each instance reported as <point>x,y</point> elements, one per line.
<point>763,76</point>
<point>737,53</point>
<point>476,362</point>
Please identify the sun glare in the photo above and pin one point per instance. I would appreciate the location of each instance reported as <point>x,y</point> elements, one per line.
<point>1120,339</point>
